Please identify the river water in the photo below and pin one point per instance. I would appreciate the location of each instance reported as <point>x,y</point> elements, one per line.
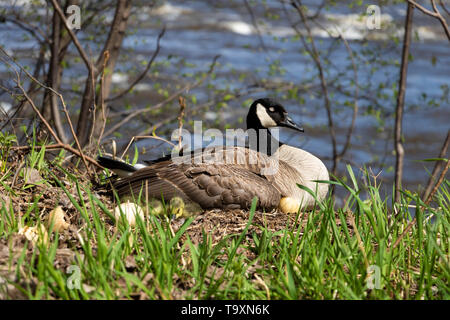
<point>196,31</point>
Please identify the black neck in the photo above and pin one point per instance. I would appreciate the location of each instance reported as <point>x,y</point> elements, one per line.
<point>263,141</point>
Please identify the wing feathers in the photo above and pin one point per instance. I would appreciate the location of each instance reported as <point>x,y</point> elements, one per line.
<point>220,184</point>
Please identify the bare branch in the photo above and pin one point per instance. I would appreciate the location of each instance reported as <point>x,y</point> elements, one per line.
<point>427,201</point>
<point>31,29</point>
<point>32,90</point>
<point>355,102</point>
<point>437,167</point>
<point>182,103</point>
<point>172,117</point>
<point>137,112</point>
<point>102,98</point>
<point>39,114</point>
<point>75,40</point>
<point>443,7</point>
<point>142,75</point>
<point>89,92</point>
<point>60,146</point>
<point>135,138</point>
<point>24,93</point>
<point>435,13</point>
<point>314,53</point>
<point>89,122</point>
<point>356,94</point>
<point>399,150</point>
<point>53,77</point>
<point>255,24</point>
<point>438,183</point>
<point>116,33</point>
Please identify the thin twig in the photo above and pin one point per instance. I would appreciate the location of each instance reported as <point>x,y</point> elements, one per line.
<point>102,97</point>
<point>443,7</point>
<point>173,117</point>
<point>137,112</point>
<point>80,49</point>
<point>52,78</point>
<point>30,101</point>
<point>435,13</point>
<point>437,167</point>
<point>182,103</point>
<point>398,143</point>
<point>32,29</point>
<point>135,138</point>
<point>255,25</point>
<point>142,75</point>
<point>92,73</point>
<point>427,201</point>
<point>355,101</point>
<point>314,53</point>
<point>60,146</point>
<point>439,182</point>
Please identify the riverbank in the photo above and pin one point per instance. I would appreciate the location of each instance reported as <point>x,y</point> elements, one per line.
<point>358,251</point>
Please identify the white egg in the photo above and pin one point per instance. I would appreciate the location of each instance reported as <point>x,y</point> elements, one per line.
<point>129,210</point>
<point>289,205</point>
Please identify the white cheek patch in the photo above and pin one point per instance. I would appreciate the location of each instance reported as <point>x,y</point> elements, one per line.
<point>264,117</point>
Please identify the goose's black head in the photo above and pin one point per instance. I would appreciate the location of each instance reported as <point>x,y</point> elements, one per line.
<point>266,113</point>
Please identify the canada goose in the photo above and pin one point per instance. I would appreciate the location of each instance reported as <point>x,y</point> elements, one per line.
<point>271,176</point>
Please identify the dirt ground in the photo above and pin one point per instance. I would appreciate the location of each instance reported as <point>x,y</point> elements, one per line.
<point>37,188</point>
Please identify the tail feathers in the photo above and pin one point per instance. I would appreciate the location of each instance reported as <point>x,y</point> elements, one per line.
<point>120,168</point>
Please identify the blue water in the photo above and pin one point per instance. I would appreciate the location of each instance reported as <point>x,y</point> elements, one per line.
<point>199,30</point>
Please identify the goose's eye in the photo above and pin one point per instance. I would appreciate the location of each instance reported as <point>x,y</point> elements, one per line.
<point>272,109</point>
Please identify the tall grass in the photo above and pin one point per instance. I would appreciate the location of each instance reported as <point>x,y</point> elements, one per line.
<point>330,253</point>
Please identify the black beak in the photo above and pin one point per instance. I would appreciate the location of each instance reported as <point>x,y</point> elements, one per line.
<point>289,123</point>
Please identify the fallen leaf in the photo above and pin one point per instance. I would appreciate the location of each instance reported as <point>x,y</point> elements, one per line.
<point>56,219</point>
<point>35,234</point>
